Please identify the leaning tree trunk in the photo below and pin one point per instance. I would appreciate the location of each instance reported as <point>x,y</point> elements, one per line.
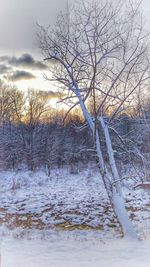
<point>116,192</point>
<point>111,182</point>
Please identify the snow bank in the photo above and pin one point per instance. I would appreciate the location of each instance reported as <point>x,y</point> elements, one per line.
<point>73,250</point>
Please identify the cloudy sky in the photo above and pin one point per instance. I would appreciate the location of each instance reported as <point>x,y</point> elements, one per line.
<point>20,59</point>
<point>19,53</point>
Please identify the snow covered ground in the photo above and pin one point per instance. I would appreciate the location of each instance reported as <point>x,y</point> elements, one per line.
<point>65,201</point>
<point>73,250</point>
<point>66,221</point>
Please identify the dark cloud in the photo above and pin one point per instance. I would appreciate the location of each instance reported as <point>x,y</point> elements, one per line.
<point>20,75</point>
<point>49,94</point>
<point>26,61</point>
<point>4,69</point>
<point>4,58</point>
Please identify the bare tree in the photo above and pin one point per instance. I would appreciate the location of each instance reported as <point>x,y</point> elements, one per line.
<point>11,107</point>
<point>99,49</point>
<point>11,103</point>
<point>141,133</point>
<point>36,106</point>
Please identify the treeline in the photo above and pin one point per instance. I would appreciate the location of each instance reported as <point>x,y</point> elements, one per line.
<point>43,144</point>
<point>34,135</point>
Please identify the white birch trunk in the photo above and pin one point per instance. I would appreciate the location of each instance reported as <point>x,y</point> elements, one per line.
<point>117,197</point>
<point>112,184</point>
<point>110,153</point>
<point>122,216</point>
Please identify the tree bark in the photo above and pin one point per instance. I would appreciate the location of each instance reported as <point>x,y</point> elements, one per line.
<point>111,182</point>
<point>116,194</point>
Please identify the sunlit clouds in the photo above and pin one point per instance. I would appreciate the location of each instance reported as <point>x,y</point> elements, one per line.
<point>24,71</point>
